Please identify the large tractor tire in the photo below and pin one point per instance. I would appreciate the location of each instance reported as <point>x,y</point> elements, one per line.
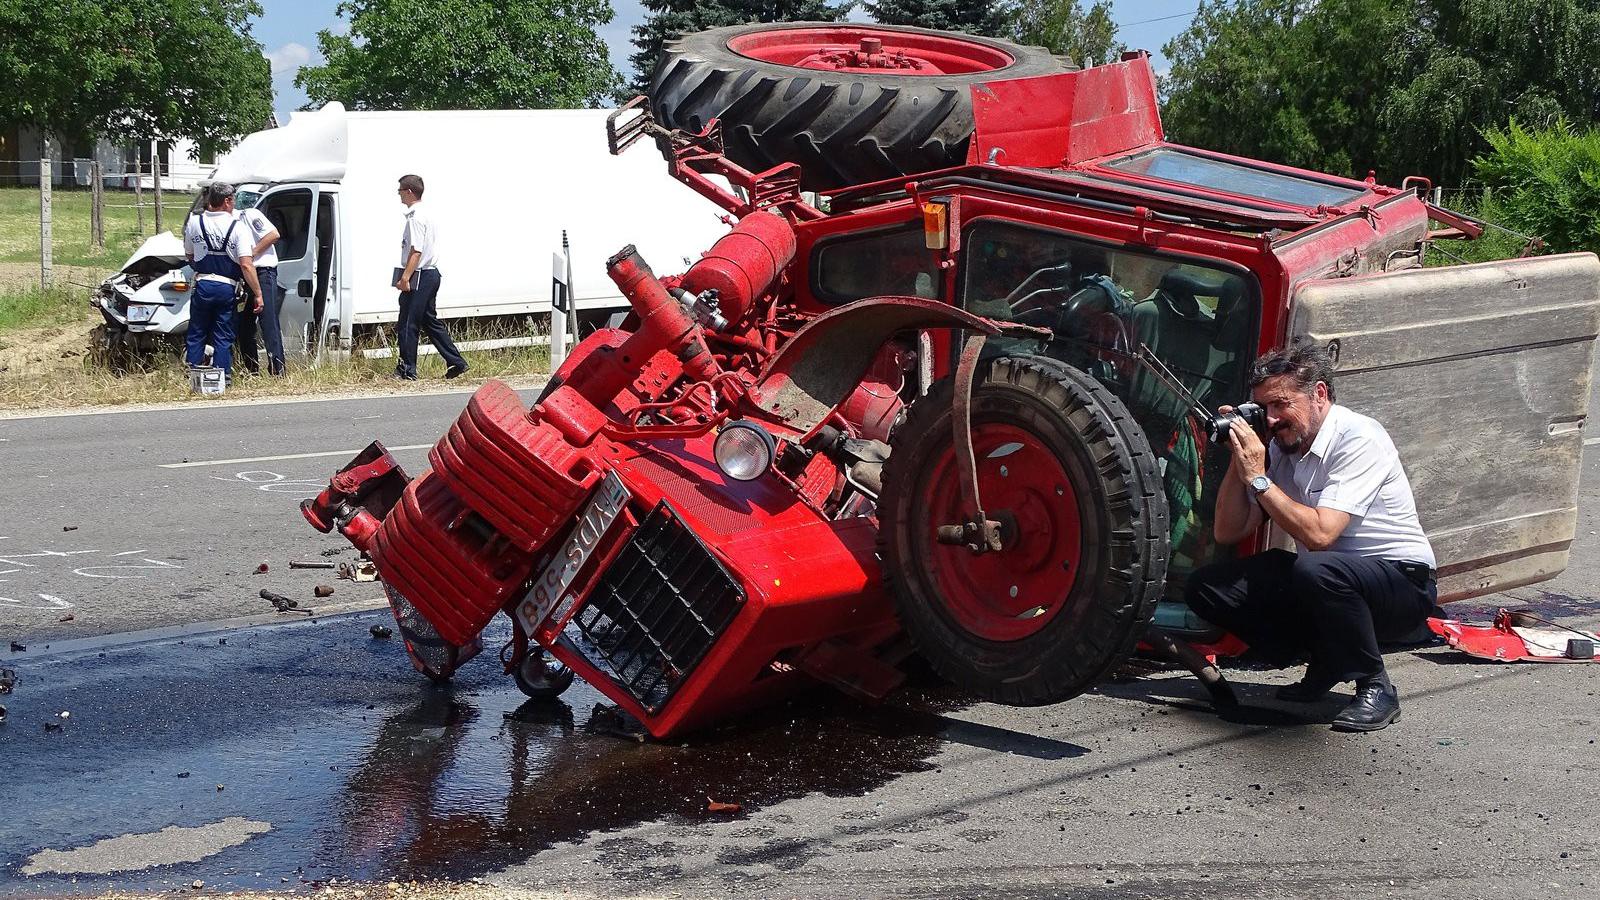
<point>804,92</point>
<point>1061,462</point>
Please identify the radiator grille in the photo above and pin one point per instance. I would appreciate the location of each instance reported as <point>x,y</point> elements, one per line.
<point>657,610</point>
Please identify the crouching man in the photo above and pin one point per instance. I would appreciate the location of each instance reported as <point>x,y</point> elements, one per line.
<point>1363,569</point>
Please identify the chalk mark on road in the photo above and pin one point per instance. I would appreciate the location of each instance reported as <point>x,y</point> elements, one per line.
<point>273,483</point>
<point>51,602</point>
<point>256,459</point>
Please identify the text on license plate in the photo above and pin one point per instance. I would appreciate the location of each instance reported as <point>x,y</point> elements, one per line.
<point>603,509</point>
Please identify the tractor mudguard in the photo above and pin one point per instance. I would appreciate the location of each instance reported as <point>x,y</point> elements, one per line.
<point>825,360</point>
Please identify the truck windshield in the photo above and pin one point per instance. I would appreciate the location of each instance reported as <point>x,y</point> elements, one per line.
<point>1172,164</point>
<point>1101,304</point>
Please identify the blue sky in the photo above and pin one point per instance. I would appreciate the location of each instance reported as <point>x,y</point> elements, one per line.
<point>288,33</point>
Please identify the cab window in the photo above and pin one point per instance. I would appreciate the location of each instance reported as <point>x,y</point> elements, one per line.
<point>1100,305</point>
<point>891,261</point>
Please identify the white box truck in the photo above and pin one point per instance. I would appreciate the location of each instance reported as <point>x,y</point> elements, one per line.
<point>503,186</point>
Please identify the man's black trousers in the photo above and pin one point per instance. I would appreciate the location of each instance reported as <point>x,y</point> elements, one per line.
<point>1334,607</point>
<point>418,313</point>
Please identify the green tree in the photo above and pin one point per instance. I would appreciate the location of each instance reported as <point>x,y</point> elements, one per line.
<point>1284,80</point>
<point>667,20</point>
<point>135,69</point>
<point>1544,182</point>
<point>1086,37</point>
<point>971,16</point>
<point>464,54</point>
<point>1471,65</point>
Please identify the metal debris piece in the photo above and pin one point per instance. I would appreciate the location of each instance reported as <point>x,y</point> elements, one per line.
<point>362,569</point>
<point>69,528</point>
<point>282,603</point>
<point>18,648</point>
<point>381,631</point>
<point>51,727</point>
<point>323,590</point>
<point>67,618</point>
<point>2,715</point>
<point>8,680</point>
<point>262,569</point>
<point>720,807</point>
<point>611,720</point>
<point>183,774</point>
<point>312,564</point>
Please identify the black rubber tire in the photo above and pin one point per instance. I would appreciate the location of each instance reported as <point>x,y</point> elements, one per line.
<point>843,128</point>
<point>541,678</point>
<point>1122,513</point>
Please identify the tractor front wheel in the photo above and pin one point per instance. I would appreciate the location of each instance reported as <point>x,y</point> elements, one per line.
<point>540,677</point>
<point>1073,482</point>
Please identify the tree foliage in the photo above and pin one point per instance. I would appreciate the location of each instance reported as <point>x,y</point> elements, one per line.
<point>1399,86</point>
<point>1544,182</point>
<point>971,16</point>
<point>666,20</point>
<point>1087,37</point>
<point>464,54</point>
<point>135,69</point>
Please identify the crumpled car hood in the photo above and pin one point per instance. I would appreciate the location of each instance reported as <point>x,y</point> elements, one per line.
<point>159,253</point>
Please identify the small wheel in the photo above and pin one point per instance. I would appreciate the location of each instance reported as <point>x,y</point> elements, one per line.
<point>1070,477</point>
<point>541,678</point>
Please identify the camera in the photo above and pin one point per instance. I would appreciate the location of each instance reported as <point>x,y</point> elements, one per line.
<point>1252,414</point>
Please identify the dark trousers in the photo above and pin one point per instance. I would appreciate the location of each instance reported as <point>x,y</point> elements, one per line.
<point>210,322</point>
<point>246,321</point>
<point>1334,607</point>
<point>417,312</point>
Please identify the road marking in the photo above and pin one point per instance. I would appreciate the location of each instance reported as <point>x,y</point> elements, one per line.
<point>1591,441</point>
<point>256,459</point>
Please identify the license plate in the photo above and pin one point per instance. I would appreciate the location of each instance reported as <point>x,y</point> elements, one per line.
<point>140,313</point>
<point>594,523</point>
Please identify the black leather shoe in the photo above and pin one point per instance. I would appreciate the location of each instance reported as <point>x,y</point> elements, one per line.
<point>456,371</point>
<point>1309,689</point>
<point>1375,706</point>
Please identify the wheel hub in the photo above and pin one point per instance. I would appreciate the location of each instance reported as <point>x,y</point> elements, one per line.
<point>859,48</point>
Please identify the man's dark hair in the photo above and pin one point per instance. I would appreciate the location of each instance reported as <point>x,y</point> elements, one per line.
<point>1303,360</point>
<point>412,183</point>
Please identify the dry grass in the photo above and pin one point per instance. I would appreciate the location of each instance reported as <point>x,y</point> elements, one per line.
<point>48,368</point>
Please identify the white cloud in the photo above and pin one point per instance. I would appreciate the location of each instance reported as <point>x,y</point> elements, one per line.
<point>289,58</point>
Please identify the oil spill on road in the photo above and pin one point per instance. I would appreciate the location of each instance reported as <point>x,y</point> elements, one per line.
<point>446,790</point>
<point>363,771</point>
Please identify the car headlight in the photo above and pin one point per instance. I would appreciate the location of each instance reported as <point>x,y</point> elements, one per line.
<point>744,450</point>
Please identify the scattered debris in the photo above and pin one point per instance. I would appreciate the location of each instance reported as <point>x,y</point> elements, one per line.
<point>311,564</point>
<point>381,631</point>
<point>65,715</point>
<point>8,680</point>
<point>69,528</point>
<point>261,569</point>
<point>67,618</point>
<point>282,603</point>
<point>717,806</point>
<point>50,727</point>
<point>18,648</point>
<point>197,884</point>
<point>362,569</point>
<point>323,590</point>
<point>219,788</point>
<point>2,715</point>
<point>183,774</point>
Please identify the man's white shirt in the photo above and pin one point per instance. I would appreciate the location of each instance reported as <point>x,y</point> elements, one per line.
<point>1353,467</point>
<point>260,227</point>
<point>419,235</point>
<point>216,226</point>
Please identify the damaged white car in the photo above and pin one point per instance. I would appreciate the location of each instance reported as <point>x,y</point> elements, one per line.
<point>146,304</point>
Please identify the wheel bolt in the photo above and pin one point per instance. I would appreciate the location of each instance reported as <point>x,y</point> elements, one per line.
<point>871,45</point>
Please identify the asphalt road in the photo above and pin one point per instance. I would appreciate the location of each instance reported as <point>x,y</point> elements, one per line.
<point>289,753</point>
<point>139,519</point>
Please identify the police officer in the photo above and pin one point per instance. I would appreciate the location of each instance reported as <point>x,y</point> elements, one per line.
<point>264,237</point>
<point>417,280</point>
<point>219,251</point>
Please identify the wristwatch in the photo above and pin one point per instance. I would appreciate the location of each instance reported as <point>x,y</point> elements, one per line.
<point>1260,484</point>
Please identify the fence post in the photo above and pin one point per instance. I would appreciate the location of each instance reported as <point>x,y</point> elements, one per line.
<point>46,275</point>
<point>97,208</point>
<point>155,173</point>
<point>138,185</point>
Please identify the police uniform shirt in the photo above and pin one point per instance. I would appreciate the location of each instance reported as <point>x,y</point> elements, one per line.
<point>419,235</point>
<point>1353,467</point>
<point>260,226</point>
<point>216,227</point>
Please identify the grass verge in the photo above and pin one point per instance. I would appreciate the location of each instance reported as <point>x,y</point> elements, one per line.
<point>35,307</point>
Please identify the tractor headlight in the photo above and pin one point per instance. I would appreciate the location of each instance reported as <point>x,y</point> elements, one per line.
<point>744,450</point>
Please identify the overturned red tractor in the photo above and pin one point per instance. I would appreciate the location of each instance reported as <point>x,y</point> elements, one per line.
<point>928,394</point>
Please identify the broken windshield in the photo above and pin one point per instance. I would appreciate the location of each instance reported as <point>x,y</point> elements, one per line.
<point>1172,164</point>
